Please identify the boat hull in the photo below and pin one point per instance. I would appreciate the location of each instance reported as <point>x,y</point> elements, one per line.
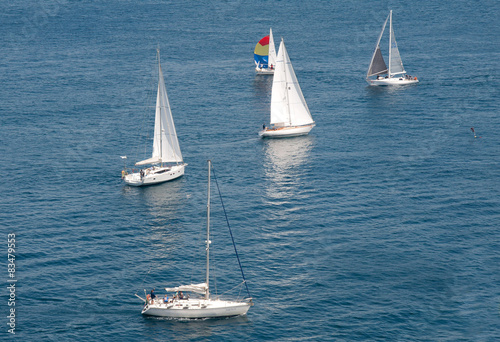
<point>286,132</point>
<point>155,175</point>
<point>196,309</point>
<point>264,71</point>
<point>391,81</point>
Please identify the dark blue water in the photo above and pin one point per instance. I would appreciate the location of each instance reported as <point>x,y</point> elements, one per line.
<point>381,225</point>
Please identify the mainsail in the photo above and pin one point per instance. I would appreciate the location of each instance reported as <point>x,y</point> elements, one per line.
<point>288,106</point>
<point>198,288</point>
<point>396,64</point>
<point>165,143</point>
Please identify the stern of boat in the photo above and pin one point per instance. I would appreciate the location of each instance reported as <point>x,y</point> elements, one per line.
<point>133,179</point>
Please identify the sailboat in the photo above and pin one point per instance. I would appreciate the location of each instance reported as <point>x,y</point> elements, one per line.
<point>166,160</point>
<point>265,55</point>
<point>290,115</point>
<point>182,305</point>
<point>395,73</point>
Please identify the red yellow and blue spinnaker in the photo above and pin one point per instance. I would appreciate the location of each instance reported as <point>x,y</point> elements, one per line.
<point>261,52</point>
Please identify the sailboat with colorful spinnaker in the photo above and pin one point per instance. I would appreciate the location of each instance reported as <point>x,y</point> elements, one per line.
<point>265,55</point>
<point>395,73</point>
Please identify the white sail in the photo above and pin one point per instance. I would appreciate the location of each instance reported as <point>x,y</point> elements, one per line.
<point>272,50</point>
<point>198,288</point>
<point>396,64</point>
<point>279,111</point>
<point>152,160</point>
<point>288,106</point>
<point>165,143</point>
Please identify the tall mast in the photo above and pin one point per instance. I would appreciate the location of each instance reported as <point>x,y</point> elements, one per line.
<point>390,42</point>
<point>286,83</point>
<point>159,95</point>
<point>207,293</point>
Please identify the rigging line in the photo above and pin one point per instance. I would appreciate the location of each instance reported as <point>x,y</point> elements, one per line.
<point>143,132</point>
<point>150,267</point>
<point>239,285</point>
<point>239,293</point>
<point>214,277</point>
<point>230,232</point>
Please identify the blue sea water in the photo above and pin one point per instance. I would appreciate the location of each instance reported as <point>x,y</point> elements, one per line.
<point>381,225</point>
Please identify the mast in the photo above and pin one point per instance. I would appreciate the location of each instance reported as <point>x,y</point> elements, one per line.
<point>161,126</point>
<point>390,42</point>
<point>171,143</point>
<point>207,294</point>
<point>285,53</point>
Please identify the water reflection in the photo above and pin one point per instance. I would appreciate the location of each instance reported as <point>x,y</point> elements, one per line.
<point>162,200</point>
<point>283,163</point>
<point>161,209</point>
<point>262,86</point>
<point>192,329</point>
<point>380,97</point>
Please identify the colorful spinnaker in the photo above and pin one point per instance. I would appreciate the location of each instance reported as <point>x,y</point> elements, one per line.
<point>261,53</point>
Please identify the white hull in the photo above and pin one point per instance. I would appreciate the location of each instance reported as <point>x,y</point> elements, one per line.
<point>155,175</point>
<point>196,308</point>
<point>264,71</point>
<point>286,132</point>
<point>391,81</point>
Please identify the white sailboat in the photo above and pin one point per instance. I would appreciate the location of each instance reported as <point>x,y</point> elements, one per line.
<point>166,160</point>
<point>290,115</point>
<point>395,74</point>
<point>205,306</point>
<point>265,55</point>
